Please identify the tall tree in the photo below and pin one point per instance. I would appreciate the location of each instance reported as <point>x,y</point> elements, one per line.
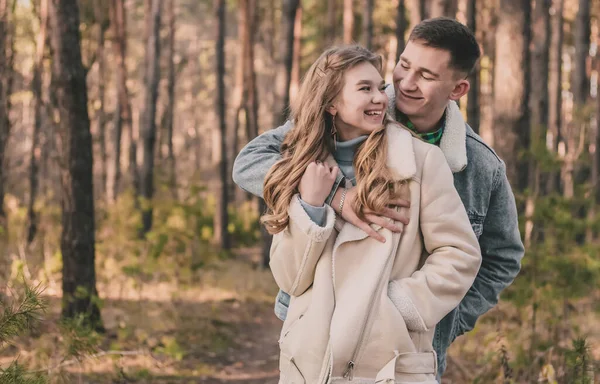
<point>473,115</point>
<point>446,8</point>
<point>286,54</point>
<point>330,22</point>
<point>102,21</point>
<point>221,217</point>
<point>368,24</point>
<point>169,113</point>
<point>148,118</point>
<point>581,88</point>
<point>400,29</point>
<point>348,21</point>
<point>295,82</point>
<point>511,88</point>
<point>123,117</point>
<point>5,75</point>
<point>78,238</point>
<point>555,88</point>
<point>249,72</point>
<point>36,86</point>
<point>418,12</point>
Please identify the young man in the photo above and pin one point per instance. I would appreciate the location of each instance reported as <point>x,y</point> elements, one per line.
<point>428,80</point>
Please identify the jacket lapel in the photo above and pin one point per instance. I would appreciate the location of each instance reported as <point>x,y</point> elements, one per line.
<point>454,139</point>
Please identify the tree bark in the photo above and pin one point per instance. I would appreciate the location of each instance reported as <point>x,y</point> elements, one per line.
<point>348,21</point>
<point>36,149</point>
<point>171,97</point>
<point>417,12</point>
<point>582,27</point>
<point>553,135</point>
<point>368,24</point>
<point>400,29</point>
<point>249,72</point>
<point>286,54</point>
<point>445,8</point>
<point>221,217</point>
<point>295,81</point>
<point>331,20</point>
<point>148,118</point>
<point>511,88</point>
<point>473,114</point>
<point>78,238</point>
<point>123,117</point>
<point>5,74</point>
<point>101,116</point>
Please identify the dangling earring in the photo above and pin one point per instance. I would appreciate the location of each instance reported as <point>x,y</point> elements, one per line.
<point>334,133</point>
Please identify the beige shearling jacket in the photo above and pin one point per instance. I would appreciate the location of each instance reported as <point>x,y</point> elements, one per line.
<point>362,311</point>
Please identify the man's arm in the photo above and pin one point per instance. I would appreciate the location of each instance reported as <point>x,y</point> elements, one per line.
<point>502,251</point>
<point>258,156</point>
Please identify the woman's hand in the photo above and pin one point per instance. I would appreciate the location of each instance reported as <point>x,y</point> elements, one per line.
<point>316,183</point>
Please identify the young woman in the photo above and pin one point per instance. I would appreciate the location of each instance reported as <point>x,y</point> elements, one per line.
<point>362,311</point>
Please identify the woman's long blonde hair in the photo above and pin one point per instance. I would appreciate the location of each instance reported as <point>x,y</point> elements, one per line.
<point>310,139</point>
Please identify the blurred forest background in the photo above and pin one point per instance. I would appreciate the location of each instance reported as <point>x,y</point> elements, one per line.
<point>128,255</point>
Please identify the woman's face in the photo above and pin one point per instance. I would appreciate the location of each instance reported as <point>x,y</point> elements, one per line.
<point>360,108</point>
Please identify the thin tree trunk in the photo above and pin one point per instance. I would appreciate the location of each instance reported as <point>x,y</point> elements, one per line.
<point>331,20</point>
<point>171,95</point>
<point>553,135</point>
<point>348,21</point>
<point>295,80</point>
<point>400,29</point>
<point>249,72</point>
<point>123,118</point>
<point>538,104</point>
<point>582,27</point>
<point>286,54</point>
<point>417,12</point>
<point>511,89</point>
<point>148,120</point>
<point>101,118</point>
<point>222,220</point>
<point>368,24</point>
<point>473,115</point>
<point>5,74</point>
<point>36,149</point>
<point>440,8</point>
<point>78,237</point>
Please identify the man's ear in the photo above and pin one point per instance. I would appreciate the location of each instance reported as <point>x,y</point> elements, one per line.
<point>460,89</point>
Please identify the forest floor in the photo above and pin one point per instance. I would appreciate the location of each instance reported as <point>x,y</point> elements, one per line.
<point>222,329</point>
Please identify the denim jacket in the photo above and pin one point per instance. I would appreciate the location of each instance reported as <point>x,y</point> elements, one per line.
<point>479,177</point>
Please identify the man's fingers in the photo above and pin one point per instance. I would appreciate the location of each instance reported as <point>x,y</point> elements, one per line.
<point>383,222</point>
<point>400,203</point>
<point>396,215</point>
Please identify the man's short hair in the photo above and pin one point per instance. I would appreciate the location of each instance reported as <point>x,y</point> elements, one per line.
<point>452,36</point>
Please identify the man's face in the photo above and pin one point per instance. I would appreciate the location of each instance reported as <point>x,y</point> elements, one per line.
<point>424,82</point>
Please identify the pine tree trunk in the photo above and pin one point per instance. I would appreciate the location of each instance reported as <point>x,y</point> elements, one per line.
<point>5,73</point>
<point>171,96</point>
<point>368,24</point>
<point>553,136</point>
<point>148,118</point>
<point>100,113</point>
<point>286,54</point>
<point>222,220</point>
<point>400,29</point>
<point>582,26</point>
<point>38,101</point>
<point>123,118</point>
<point>473,115</point>
<point>348,21</point>
<point>511,89</point>
<point>445,8</point>
<point>331,19</point>
<point>78,237</point>
<point>295,80</point>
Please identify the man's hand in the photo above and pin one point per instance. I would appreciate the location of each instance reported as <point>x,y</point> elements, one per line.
<point>379,218</point>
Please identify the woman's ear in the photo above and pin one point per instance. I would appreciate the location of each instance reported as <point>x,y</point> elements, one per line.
<point>332,110</point>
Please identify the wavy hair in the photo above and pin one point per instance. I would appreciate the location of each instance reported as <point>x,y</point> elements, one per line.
<point>310,139</point>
